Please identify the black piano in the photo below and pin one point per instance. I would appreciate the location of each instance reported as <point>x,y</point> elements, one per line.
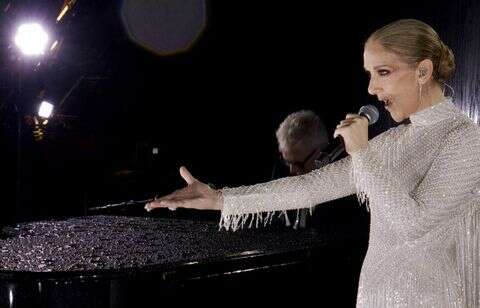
<point>125,261</point>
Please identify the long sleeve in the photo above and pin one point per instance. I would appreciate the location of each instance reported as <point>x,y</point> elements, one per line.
<point>444,193</point>
<point>422,184</point>
<point>467,249</point>
<point>257,203</point>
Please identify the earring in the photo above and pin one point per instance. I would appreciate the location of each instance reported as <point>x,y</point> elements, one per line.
<point>420,93</point>
<point>445,86</point>
<point>423,72</point>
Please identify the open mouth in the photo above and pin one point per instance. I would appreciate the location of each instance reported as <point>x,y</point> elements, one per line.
<point>386,102</point>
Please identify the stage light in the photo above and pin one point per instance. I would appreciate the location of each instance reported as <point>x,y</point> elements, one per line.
<point>31,39</point>
<point>67,6</point>
<point>45,110</point>
<point>63,12</point>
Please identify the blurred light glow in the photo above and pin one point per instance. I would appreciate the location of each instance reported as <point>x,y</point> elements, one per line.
<point>10,296</point>
<point>54,45</point>
<point>45,110</point>
<point>63,12</point>
<point>164,27</point>
<point>31,39</point>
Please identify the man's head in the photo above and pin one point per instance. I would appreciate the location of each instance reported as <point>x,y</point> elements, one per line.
<point>301,138</point>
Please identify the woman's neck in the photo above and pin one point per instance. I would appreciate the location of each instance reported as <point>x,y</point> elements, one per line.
<point>431,97</point>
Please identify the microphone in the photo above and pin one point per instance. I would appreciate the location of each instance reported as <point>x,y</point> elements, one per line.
<point>368,111</point>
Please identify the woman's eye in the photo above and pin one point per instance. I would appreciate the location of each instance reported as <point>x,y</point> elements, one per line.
<point>383,72</point>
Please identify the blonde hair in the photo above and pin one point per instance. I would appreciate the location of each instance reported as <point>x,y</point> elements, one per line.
<point>304,126</point>
<point>414,41</point>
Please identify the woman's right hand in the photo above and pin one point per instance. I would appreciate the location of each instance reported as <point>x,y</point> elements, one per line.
<point>196,195</point>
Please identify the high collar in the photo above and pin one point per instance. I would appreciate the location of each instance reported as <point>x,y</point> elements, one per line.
<point>434,114</point>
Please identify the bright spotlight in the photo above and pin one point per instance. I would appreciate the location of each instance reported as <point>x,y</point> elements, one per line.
<point>31,39</point>
<point>45,110</point>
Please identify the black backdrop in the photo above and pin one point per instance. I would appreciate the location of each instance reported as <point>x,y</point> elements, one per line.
<point>213,108</point>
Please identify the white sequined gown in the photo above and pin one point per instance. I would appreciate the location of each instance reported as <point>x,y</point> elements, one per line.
<point>422,184</point>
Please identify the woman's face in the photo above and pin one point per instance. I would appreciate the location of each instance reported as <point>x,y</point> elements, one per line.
<point>393,81</point>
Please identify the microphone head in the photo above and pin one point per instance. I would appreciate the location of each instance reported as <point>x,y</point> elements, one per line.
<point>370,112</point>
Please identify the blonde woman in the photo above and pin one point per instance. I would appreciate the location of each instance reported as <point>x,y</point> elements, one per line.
<point>420,180</point>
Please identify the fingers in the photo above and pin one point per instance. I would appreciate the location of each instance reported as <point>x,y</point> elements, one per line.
<point>176,194</point>
<point>187,176</point>
<point>352,116</point>
<point>172,204</point>
<point>350,119</point>
<point>338,132</point>
<point>179,198</point>
<point>345,123</point>
<point>154,205</point>
<point>149,206</point>
<point>160,202</point>
<point>342,126</point>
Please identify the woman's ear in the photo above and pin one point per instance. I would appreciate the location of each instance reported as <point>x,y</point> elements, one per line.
<point>425,71</point>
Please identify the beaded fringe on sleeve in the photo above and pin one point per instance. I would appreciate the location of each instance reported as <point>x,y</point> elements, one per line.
<point>256,204</point>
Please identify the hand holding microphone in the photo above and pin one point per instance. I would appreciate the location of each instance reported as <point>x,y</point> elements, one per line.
<point>354,132</point>
<point>354,129</point>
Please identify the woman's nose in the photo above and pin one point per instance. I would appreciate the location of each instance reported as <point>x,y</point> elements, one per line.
<point>372,87</point>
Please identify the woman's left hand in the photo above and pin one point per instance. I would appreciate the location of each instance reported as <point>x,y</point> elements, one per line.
<point>354,130</point>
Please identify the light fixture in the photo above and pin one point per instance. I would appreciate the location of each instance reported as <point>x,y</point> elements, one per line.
<point>67,6</point>
<point>45,110</point>
<point>32,39</point>
<point>63,12</point>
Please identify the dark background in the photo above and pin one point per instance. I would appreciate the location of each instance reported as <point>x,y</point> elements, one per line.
<point>213,108</point>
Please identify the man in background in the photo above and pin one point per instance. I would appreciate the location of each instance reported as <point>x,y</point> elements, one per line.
<point>302,139</point>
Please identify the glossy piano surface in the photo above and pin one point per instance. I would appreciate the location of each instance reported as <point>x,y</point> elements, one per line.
<point>120,261</point>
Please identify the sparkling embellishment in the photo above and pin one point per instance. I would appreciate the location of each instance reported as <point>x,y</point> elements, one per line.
<point>421,182</point>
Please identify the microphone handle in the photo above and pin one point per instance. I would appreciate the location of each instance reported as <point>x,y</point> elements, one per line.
<point>333,154</point>
<point>341,147</point>
<point>337,150</point>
